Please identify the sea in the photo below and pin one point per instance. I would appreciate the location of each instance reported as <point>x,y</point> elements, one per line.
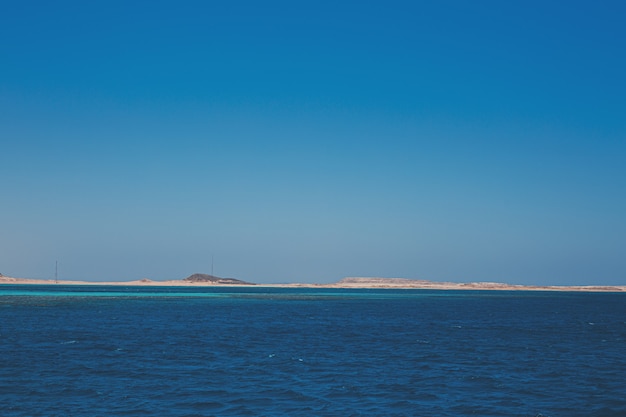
<point>258,351</point>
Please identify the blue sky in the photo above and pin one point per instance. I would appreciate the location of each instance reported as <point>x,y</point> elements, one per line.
<point>309,141</point>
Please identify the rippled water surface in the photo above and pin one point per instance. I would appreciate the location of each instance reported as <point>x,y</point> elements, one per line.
<point>148,351</point>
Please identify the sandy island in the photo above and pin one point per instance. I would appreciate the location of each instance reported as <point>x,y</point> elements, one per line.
<point>200,280</point>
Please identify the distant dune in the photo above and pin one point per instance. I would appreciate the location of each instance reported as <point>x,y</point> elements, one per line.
<point>351,282</point>
<point>360,282</point>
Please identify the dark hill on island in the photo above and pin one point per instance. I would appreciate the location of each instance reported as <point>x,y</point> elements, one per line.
<point>215,280</point>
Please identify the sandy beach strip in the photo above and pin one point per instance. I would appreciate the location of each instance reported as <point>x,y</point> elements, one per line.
<point>364,283</point>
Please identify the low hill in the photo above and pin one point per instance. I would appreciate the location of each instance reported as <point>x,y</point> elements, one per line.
<point>215,280</point>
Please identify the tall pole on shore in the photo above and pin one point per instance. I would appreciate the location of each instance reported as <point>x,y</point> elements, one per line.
<point>56,272</point>
<point>212,266</point>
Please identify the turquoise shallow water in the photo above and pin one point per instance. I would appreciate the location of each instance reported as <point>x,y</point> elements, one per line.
<point>138,351</point>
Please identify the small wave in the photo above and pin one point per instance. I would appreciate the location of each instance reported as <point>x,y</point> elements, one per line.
<point>69,342</point>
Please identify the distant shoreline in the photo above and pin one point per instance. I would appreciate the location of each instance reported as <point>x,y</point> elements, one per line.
<point>364,283</point>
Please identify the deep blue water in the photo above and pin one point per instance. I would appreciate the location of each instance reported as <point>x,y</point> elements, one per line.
<point>155,351</point>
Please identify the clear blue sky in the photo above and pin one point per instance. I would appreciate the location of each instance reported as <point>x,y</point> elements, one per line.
<point>308,141</point>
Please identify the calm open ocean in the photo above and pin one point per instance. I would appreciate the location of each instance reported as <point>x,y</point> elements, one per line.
<point>159,351</point>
